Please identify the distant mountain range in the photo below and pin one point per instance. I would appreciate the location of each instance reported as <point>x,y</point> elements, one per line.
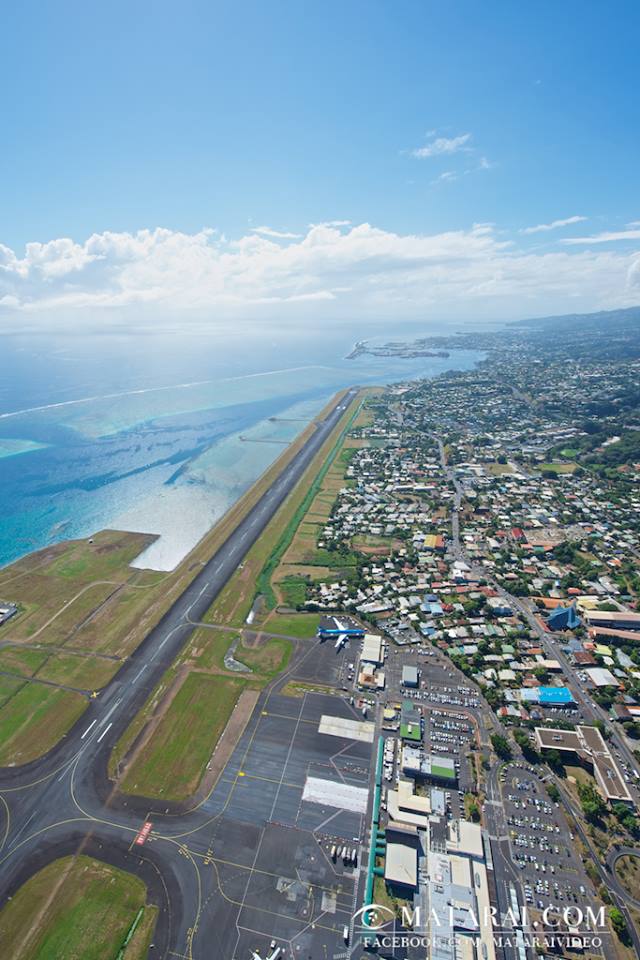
<point>628,318</point>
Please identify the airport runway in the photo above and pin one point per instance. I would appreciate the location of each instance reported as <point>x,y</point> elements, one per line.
<point>64,802</point>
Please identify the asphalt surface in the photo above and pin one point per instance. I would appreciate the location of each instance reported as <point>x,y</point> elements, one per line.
<point>207,868</point>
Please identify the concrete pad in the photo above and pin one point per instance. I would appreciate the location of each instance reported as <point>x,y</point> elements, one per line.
<point>328,793</point>
<point>346,728</point>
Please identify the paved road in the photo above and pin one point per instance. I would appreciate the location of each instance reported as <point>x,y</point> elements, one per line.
<point>64,802</point>
<point>612,858</point>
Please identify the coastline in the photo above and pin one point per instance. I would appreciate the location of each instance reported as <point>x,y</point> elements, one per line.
<point>171,474</point>
<point>398,349</point>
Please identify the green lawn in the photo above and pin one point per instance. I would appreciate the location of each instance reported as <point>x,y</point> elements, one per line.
<point>558,467</point>
<point>498,469</point>
<point>334,559</point>
<point>207,648</point>
<point>268,659</point>
<point>293,590</point>
<point>33,720</point>
<point>302,625</point>
<point>64,609</point>
<point>8,686</point>
<point>75,670</point>
<point>369,540</point>
<point>110,552</point>
<point>21,660</point>
<point>172,762</point>
<point>88,918</point>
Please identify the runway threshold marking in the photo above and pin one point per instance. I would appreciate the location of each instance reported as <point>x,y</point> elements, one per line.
<point>104,732</point>
<point>89,728</point>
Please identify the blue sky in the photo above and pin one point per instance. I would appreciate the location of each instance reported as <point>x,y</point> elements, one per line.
<point>417,118</point>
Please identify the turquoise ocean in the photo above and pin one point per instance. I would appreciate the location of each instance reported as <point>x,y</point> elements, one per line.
<point>161,433</point>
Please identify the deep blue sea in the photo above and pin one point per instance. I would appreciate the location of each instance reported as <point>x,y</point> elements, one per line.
<point>156,432</point>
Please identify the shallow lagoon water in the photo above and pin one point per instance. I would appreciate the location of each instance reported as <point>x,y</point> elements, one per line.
<point>143,431</point>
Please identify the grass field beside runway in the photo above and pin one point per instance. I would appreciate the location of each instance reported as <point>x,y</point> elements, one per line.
<point>79,909</point>
<point>66,669</point>
<point>82,611</point>
<point>33,718</point>
<point>268,658</point>
<point>21,660</point>
<point>171,764</point>
<point>205,651</point>
<point>8,686</point>
<point>301,625</point>
<point>58,588</point>
<point>65,596</point>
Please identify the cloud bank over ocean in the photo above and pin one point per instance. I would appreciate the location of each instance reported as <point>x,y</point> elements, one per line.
<point>334,270</point>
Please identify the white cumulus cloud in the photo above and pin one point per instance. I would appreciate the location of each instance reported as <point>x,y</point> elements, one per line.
<point>331,270</point>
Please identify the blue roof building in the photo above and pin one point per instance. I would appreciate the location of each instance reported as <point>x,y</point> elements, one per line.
<point>551,696</point>
<point>432,607</point>
<point>563,618</point>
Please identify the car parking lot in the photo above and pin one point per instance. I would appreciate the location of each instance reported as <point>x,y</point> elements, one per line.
<point>439,682</point>
<point>448,708</point>
<point>552,874</point>
<point>451,734</point>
